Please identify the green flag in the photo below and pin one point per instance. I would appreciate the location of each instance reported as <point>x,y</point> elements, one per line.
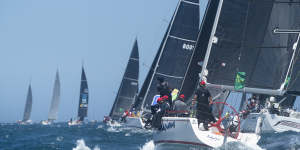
<point>240,80</point>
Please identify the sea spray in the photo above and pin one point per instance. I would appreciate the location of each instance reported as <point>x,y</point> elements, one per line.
<point>148,146</point>
<point>81,146</point>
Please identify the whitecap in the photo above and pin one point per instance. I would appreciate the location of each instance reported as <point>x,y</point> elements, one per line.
<point>127,134</point>
<point>59,138</point>
<point>239,146</point>
<point>80,145</point>
<point>100,126</point>
<point>148,146</point>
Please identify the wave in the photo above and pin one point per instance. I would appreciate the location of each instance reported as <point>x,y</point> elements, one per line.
<point>148,146</point>
<point>239,146</point>
<point>80,145</point>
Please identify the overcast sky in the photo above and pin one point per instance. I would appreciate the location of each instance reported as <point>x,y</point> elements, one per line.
<point>37,37</point>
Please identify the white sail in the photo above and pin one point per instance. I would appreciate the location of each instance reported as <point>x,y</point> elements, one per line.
<point>55,99</point>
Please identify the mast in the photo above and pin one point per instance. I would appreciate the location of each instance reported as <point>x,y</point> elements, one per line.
<point>28,105</point>
<point>246,57</point>
<point>176,49</point>
<point>55,99</point>
<point>129,85</point>
<point>84,97</point>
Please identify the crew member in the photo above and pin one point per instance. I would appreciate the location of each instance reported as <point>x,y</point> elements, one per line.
<point>180,108</point>
<point>124,116</point>
<point>164,89</point>
<point>204,100</point>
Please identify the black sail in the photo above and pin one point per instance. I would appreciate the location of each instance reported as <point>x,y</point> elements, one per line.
<point>294,83</point>
<point>139,99</point>
<point>176,50</point>
<point>192,76</point>
<point>84,97</point>
<point>244,42</point>
<point>129,85</point>
<point>28,105</point>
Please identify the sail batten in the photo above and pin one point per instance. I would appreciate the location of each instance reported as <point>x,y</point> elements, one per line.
<point>55,99</point>
<point>129,85</point>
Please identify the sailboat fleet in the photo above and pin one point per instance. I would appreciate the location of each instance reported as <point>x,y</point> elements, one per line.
<point>248,47</point>
<point>231,53</point>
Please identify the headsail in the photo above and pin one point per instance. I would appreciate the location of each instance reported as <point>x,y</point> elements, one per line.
<point>248,57</point>
<point>129,85</point>
<point>28,105</point>
<point>84,97</point>
<point>176,49</point>
<point>55,99</point>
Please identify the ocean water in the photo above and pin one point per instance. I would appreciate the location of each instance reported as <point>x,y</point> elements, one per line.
<point>99,136</point>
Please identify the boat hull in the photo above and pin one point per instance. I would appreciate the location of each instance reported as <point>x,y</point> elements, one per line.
<point>271,123</point>
<point>46,122</point>
<point>134,122</point>
<point>184,132</point>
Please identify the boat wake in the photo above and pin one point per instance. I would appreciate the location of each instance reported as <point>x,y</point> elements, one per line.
<point>80,145</point>
<point>239,146</point>
<point>285,140</point>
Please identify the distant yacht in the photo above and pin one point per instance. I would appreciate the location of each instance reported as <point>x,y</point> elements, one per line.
<point>28,108</point>
<point>128,88</point>
<point>54,103</point>
<point>83,100</point>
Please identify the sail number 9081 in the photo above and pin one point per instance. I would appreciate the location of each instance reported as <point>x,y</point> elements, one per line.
<point>188,46</point>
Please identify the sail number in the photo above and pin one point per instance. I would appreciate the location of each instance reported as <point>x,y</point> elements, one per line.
<point>188,46</point>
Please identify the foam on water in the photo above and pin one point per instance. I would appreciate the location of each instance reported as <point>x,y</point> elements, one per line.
<point>80,145</point>
<point>239,146</point>
<point>148,146</point>
<point>284,140</point>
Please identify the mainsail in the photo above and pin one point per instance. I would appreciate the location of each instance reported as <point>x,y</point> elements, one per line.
<point>28,105</point>
<point>55,99</point>
<point>129,85</point>
<point>174,55</point>
<point>244,53</point>
<point>84,97</point>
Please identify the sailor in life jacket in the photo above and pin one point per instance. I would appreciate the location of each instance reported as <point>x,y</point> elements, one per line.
<point>124,116</point>
<point>164,89</point>
<point>204,102</point>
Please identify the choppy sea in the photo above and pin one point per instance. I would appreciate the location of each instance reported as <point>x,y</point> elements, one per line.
<point>99,136</point>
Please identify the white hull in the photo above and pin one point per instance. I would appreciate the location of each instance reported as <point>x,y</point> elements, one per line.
<point>28,122</point>
<point>74,123</point>
<point>272,123</point>
<point>184,131</point>
<point>46,122</point>
<point>134,122</point>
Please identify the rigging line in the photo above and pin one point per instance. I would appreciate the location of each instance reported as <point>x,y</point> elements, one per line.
<point>278,1</point>
<point>292,68</point>
<point>243,38</point>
